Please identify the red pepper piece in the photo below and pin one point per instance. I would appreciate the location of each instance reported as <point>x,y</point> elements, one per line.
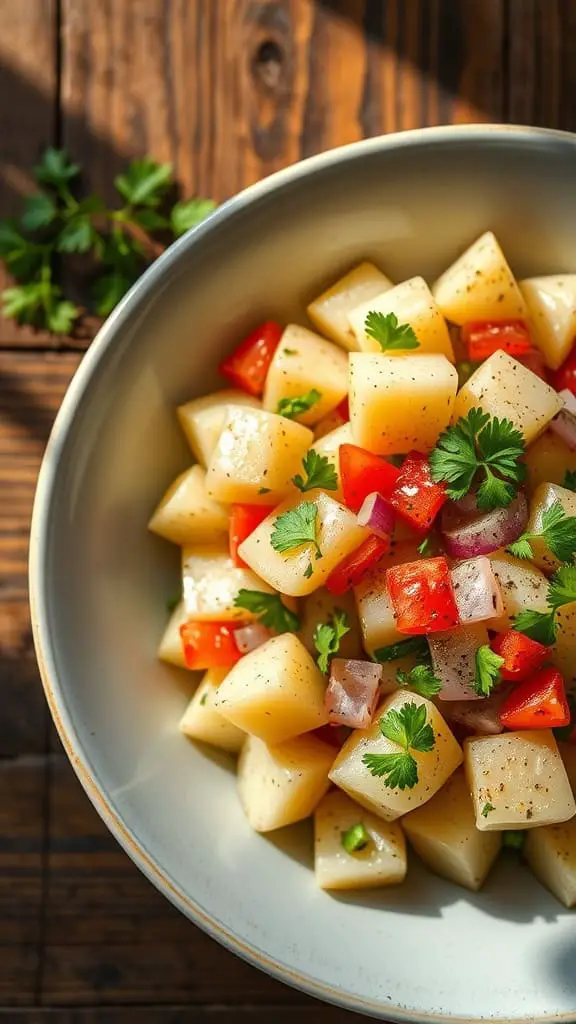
<point>565,377</point>
<point>416,498</point>
<point>362,473</point>
<point>537,703</point>
<point>243,521</point>
<point>351,569</point>
<point>422,596</point>
<point>248,365</point>
<point>483,338</point>
<point>209,645</point>
<point>522,655</point>
<point>533,360</point>
<point>343,409</point>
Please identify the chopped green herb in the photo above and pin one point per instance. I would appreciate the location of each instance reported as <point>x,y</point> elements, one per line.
<point>428,546</point>
<point>327,637</point>
<point>399,771</point>
<point>308,571</point>
<point>320,472</point>
<point>562,587</point>
<point>290,351</point>
<point>389,333</point>
<point>488,665</point>
<point>513,839</point>
<point>421,680</point>
<point>270,609</point>
<point>292,407</point>
<point>570,480</point>
<point>355,838</point>
<point>417,645</point>
<point>541,626</point>
<point>264,490</point>
<point>296,528</point>
<point>558,531</point>
<point>486,810</point>
<point>203,699</point>
<point>407,727</point>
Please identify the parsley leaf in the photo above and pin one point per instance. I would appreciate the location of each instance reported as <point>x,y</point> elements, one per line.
<point>77,235</point>
<point>487,809</point>
<point>320,472</point>
<point>488,665</point>
<point>56,168</point>
<point>540,626</point>
<point>327,637</point>
<point>296,528</point>
<point>479,444</point>
<point>399,770</point>
<point>269,608</point>
<point>570,480</point>
<point>187,214</point>
<point>562,587</point>
<point>558,531</point>
<point>292,407</point>
<point>389,333</point>
<point>355,838</point>
<point>407,727</point>
<point>421,680</point>
<point>144,182</point>
<point>39,211</point>
<point>417,645</point>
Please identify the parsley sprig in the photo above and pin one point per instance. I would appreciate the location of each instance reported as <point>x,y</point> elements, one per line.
<point>269,609</point>
<point>417,645</point>
<point>478,445</point>
<point>390,334</point>
<point>296,528</point>
<point>292,407</point>
<point>558,531</point>
<point>327,637</point>
<point>320,472</point>
<point>487,809</point>
<point>56,222</point>
<point>410,730</point>
<point>488,665</point>
<point>541,626</point>
<point>421,680</point>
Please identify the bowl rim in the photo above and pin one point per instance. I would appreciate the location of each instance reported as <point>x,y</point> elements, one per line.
<point>39,536</point>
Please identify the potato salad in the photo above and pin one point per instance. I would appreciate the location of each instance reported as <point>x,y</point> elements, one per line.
<point>378,534</point>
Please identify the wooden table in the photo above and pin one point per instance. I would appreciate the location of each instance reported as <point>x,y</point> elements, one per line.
<point>229,91</point>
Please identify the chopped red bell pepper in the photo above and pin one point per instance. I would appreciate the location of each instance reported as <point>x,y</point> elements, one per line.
<point>343,409</point>
<point>249,363</point>
<point>209,645</point>
<point>537,703</point>
<point>522,655</point>
<point>422,596</point>
<point>564,379</point>
<point>362,473</point>
<point>416,498</point>
<point>243,521</point>
<point>351,569</point>
<point>534,360</point>
<point>483,338</point>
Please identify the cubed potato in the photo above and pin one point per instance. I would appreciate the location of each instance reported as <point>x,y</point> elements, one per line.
<point>412,303</point>
<point>443,832</point>
<point>256,457</point>
<point>564,650</point>
<point>434,767</point>
<point>545,496</point>
<point>517,780</point>
<point>186,514</point>
<point>453,656</point>
<point>211,583</point>
<point>202,721</point>
<point>383,860</point>
<point>170,647</point>
<point>547,461</point>
<point>502,387</point>
<point>281,784</point>
<point>203,419</point>
<point>480,286</point>
<point>400,403</point>
<point>319,607</point>
<point>523,587</point>
<point>337,533</point>
<point>303,361</point>
<point>551,303</point>
<point>375,612</point>
<point>329,312</point>
<point>329,447</point>
<point>568,755</point>
<point>390,669</point>
<point>551,853</point>
<point>275,692</point>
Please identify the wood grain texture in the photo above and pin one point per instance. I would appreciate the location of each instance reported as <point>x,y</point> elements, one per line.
<point>312,1013</point>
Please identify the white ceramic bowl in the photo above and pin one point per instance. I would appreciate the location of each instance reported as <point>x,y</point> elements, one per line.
<point>427,951</point>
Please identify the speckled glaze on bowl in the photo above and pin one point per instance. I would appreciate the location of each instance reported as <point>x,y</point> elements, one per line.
<point>427,951</point>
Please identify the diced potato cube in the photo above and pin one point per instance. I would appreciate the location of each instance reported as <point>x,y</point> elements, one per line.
<point>517,780</point>
<point>329,447</point>
<point>170,647</point>
<point>564,650</point>
<point>522,585</point>
<point>434,767</point>
<point>551,853</point>
<point>186,514</point>
<point>304,361</point>
<point>568,755</point>
<point>318,608</point>
<point>480,286</point>
<point>453,656</point>
<point>502,387</point>
<point>545,496</point>
<point>400,403</point>
<point>211,583</point>
<point>329,312</point>
<point>203,419</point>
<point>256,457</point>
<point>551,303</point>
<point>381,862</point>
<point>443,832</point>
<point>547,461</point>
<point>202,721</point>
<point>337,533</point>
<point>275,692</point>
<point>412,303</point>
<point>390,669</point>
<point>281,784</point>
<point>375,612</point>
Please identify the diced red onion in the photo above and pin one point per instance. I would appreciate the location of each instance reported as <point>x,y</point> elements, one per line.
<point>454,661</point>
<point>477,591</point>
<point>564,424</point>
<point>248,638</point>
<point>352,692</point>
<point>478,533</point>
<point>377,515</point>
<point>481,718</point>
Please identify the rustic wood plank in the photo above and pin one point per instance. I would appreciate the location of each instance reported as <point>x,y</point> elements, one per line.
<point>21,840</point>
<point>311,1013</point>
<point>541,66</point>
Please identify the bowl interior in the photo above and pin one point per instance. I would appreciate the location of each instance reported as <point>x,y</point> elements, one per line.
<point>100,581</point>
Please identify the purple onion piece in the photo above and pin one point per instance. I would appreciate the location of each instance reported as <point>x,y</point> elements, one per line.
<point>352,692</point>
<point>564,423</point>
<point>248,638</point>
<point>479,533</point>
<point>476,590</point>
<point>377,515</point>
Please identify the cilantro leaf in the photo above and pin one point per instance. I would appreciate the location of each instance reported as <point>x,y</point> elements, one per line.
<point>540,626</point>
<point>570,480</point>
<point>109,289</point>
<point>56,168</point>
<point>190,212</point>
<point>562,587</point>
<point>558,531</point>
<point>269,608</point>
<point>327,637</point>
<point>421,680</point>
<point>77,235</point>
<point>398,770</point>
<point>408,727</point>
<point>355,838</point>
<point>486,810</point>
<point>60,318</point>
<point>145,182</point>
<point>320,472</point>
<point>488,665</point>
<point>292,407</point>
<point>22,302</point>
<point>22,256</point>
<point>39,211</point>
<point>417,645</point>
<point>296,528</point>
<point>150,220</point>
<point>389,333</point>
